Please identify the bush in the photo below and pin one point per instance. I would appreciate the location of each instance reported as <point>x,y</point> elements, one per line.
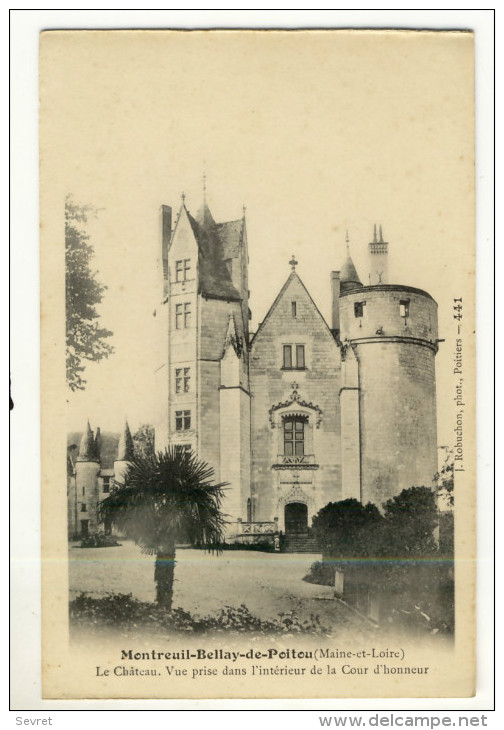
<point>99,541</point>
<point>348,529</point>
<point>262,546</point>
<point>321,573</point>
<point>125,613</point>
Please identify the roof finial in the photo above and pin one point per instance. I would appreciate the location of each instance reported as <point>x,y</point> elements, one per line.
<point>204,185</point>
<point>183,197</point>
<point>347,239</point>
<point>293,263</point>
<point>375,240</point>
<point>244,209</point>
<point>381,235</point>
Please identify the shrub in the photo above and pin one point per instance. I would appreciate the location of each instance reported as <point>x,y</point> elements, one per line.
<point>99,541</point>
<point>321,573</point>
<point>125,613</point>
<point>347,529</point>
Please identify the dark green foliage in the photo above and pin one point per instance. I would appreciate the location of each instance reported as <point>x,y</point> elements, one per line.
<point>348,529</point>
<point>166,498</point>
<point>410,519</point>
<point>85,340</point>
<point>392,559</point>
<point>261,547</point>
<point>143,440</point>
<point>419,594</point>
<point>321,573</point>
<point>99,541</point>
<point>128,615</point>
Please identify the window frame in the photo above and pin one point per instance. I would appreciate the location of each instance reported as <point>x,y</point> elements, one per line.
<point>359,309</point>
<point>294,436</point>
<point>294,356</point>
<point>404,308</point>
<point>182,315</point>
<point>183,420</point>
<point>182,267</point>
<point>181,449</point>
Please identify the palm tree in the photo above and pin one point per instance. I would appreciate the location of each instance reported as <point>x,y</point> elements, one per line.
<point>166,498</point>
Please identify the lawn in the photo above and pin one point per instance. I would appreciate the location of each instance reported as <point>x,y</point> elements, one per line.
<point>267,583</point>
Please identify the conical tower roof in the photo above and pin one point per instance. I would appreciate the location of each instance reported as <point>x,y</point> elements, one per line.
<point>349,276</point>
<point>204,217</point>
<point>87,448</point>
<point>125,450</point>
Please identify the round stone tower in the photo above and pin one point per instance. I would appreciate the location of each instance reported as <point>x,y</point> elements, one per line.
<point>388,396</point>
<point>87,468</point>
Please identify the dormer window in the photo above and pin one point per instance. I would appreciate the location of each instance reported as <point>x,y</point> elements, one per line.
<point>359,309</point>
<point>404,308</point>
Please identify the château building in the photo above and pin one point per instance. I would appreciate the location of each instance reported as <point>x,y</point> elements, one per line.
<point>302,412</point>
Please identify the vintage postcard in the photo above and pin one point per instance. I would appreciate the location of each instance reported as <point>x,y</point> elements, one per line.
<point>258,363</point>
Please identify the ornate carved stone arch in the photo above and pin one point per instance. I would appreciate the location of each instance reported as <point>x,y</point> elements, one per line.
<point>288,407</point>
<point>296,494</point>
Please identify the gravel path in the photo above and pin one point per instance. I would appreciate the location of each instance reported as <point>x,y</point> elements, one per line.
<point>267,583</point>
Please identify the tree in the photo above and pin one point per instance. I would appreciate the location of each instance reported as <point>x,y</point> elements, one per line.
<point>444,477</point>
<point>85,340</point>
<point>167,497</point>
<point>410,519</point>
<point>347,529</point>
<point>143,440</point>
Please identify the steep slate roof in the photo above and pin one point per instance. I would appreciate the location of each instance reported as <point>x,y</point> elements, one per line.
<point>125,448</point>
<point>87,446</point>
<point>109,444</point>
<point>230,235</point>
<point>212,238</point>
<point>348,275</point>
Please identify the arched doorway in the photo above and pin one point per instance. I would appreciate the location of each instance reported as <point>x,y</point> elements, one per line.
<point>296,518</point>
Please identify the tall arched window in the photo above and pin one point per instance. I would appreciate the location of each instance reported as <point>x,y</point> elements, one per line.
<point>294,436</point>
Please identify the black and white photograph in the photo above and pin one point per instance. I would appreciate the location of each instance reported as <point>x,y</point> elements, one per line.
<point>258,363</point>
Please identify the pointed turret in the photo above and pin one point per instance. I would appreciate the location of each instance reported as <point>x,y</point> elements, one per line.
<point>348,275</point>
<point>98,442</point>
<point>125,453</point>
<point>204,217</point>
<point>87,448</point>
<point>125,450</point>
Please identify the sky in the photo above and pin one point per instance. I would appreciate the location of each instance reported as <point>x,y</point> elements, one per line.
<point>315,133</point>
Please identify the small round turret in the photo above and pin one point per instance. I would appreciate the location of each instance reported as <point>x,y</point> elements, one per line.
<point>348,274</point>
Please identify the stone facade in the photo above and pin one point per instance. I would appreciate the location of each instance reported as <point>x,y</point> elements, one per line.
<point>95,464</point>
<point>300,413</point>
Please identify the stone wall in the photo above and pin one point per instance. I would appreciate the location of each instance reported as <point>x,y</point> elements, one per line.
<point>395,349</point>
<point>88,494</point>
<point>311,393</point>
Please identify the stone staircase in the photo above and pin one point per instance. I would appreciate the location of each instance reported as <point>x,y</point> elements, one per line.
<point>300,543</point>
